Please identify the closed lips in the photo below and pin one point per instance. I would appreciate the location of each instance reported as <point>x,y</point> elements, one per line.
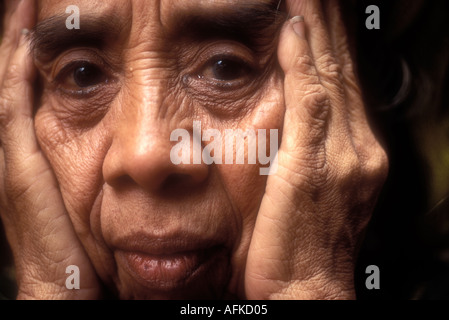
<point>165,272</point>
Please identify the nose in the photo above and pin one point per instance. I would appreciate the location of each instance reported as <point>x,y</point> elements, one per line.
<point>140,153</point>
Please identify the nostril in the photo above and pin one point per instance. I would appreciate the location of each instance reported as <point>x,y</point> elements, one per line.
<point>177,181</point>
<point>121,182</point>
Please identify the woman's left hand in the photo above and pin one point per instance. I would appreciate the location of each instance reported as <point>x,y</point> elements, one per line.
<point>330,168</point>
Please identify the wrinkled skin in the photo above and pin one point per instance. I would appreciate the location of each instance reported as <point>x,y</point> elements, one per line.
<point>90,172</point>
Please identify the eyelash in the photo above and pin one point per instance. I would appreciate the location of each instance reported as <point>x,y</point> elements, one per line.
<point>70,68</point>
<point>243,74</point>
<point>246,69</point>
<point>235,62</point>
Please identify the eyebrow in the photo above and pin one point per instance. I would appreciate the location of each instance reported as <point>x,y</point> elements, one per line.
<point>50,37</point>
<point>254,24</point>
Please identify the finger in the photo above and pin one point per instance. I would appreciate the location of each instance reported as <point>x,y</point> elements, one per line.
<point>316,136</point>
<point>358,122</point>
<point>372,158</point>
<point>307,103</point>
<point>7,10</point>
<point>340,45</point>
<point>19,15</point>
<point>318,36</point>
<point>328,68</point>
<point>16,104</point>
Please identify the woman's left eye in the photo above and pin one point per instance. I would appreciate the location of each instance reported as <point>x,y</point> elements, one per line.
<point>226,69</point>
<point>81,75</point>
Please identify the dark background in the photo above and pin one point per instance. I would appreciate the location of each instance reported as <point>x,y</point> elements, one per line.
<point>408,237</point>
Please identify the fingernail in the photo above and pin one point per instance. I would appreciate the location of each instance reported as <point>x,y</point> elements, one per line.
<point>298,25</point>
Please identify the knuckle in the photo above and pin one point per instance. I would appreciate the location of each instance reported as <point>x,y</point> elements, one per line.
<point>12,76</point>
<point>347,170</point>
<point>316,95</point>
<point>352,163</point>
<point>316,19</point>
<point>377,165</point>
<point>12,80</point>
<point>305,64</point>
<point>9,39</point>
<point>329,67</point>
<point>316,100</point>
<point>6,112</point>
<point>331,73</point>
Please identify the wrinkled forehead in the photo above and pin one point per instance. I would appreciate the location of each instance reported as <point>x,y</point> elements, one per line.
<point>165,11</point>
<point>154,23</point>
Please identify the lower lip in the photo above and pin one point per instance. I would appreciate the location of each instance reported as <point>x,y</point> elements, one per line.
<point>167,272</point>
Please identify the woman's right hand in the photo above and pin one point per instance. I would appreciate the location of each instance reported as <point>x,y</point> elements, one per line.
<point>37,225</point>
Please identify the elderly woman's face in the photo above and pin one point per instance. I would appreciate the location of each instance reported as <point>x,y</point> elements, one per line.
<point>112,93</point>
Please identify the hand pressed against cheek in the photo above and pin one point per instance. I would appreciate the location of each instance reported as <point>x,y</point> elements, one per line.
<point>151,228</point>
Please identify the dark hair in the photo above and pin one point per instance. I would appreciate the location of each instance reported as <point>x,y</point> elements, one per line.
<point>404,64</point>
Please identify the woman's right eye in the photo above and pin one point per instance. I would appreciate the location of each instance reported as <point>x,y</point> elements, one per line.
<point>87,76</point>
<point>82,75</point>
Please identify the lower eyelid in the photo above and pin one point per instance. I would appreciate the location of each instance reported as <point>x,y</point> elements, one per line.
<point>224,84</point>
<point>199,80</point>
<point>60,78</point>
<point>86,91</point>
<point>212,89</point>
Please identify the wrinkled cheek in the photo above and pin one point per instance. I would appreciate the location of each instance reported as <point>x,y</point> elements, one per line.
<point>270,113</point>
<point>246,184</point>
<point>266,120</point>
<point>74,161</point>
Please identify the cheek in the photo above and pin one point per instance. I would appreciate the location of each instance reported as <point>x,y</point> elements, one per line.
<point>76,160</point>
<point>267,115</point>
<point>244,182</point>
